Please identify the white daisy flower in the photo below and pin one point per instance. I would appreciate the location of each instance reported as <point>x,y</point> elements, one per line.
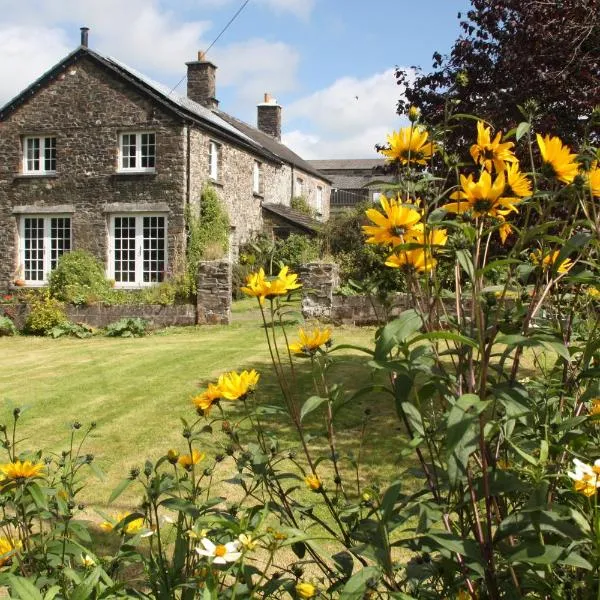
<point>221,554</point>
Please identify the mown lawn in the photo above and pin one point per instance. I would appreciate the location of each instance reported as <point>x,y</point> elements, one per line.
<point>136,390</point>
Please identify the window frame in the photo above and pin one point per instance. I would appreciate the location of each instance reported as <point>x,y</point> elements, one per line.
<point>47,249</point>
<point>214,160</point>
<point>41,158</point>
<point>139,249</point>
<point>257,178</point>
<point>319,200</point>
<point>299,187</point>
<point>138,154</point>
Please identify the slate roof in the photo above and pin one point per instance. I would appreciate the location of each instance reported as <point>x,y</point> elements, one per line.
<point>354,182</point>
<point>228,127</point>
<point>273,146</point>
<point>293,216</point>
<point>347,163</point>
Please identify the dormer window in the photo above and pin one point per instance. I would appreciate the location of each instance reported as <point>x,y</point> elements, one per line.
<point>39,155</point>
<point>137,152</point>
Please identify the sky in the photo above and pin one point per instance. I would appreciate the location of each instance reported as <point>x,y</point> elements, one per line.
<point>329,63</point>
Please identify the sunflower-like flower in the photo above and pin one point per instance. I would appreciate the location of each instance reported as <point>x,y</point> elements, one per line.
<point>22,470</point>
<point>208,397</point>
<point>427,236</point>
<point>593,293</point>
<point>593,178</point>
<point>491,153</point>
<point>517,183</point>
<point>247,541</point>
<point>134,526</point>
<point>187,460</point>
<point>504,231</point>
<point>547,261</point>
<point>483,197</point>
<point>390,227</point>
<point>418,259</point>
<point>259,286</point>
<point>313,483</point>
<point>586,478</point>
<point>220,553</point>
<point>558,159</point>
<point>8,546</point>
<point>305,590</point>
<point>594,408</point>
<point>235,385</point>
<point>310,341</point>
<point>409,145</point>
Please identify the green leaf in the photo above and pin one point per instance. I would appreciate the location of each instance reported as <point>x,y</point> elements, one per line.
<point>24,588</point>
<point>530,459</point>
<point>357,584</point>
<point>388,502</point>
<point>397,332</point>
<point>522,129</point>
<point>536,554</point>
<point>445,335</point>
<point>311,404</point>
<point>123,485</point>
<point>466,262</point>
<point>574,244</point>
<point>453,543</point>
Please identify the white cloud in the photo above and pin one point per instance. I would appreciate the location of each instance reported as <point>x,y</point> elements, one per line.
<point>257,66</point>
<point>299,8</point>
<point>351,116</point>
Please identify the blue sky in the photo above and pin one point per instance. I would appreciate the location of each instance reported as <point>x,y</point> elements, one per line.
<point>330,63</point>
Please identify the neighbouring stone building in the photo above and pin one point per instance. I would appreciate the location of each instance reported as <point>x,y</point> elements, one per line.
<point>353,180</point>
<point>95,155</point>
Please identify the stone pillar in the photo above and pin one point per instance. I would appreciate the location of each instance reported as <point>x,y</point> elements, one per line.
<point>319,281</point>
<point>213,304</point>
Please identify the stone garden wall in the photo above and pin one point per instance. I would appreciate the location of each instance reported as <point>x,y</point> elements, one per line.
<point>213,305</point>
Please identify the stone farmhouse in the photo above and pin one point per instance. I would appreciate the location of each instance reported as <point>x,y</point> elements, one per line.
<point>95,155</point>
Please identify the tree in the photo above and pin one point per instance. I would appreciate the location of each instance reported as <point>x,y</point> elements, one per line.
<point>510,52</point>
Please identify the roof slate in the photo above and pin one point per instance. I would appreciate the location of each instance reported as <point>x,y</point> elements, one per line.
<point>347,163</point>
<point>293,216</point>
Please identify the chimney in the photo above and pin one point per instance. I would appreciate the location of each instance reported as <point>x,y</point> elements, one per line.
<point>269,117</point>
<point>201,82</point>
<point>84,36</point>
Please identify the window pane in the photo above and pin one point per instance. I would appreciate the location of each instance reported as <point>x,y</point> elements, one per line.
<point>148,150</point>
<point>128,150</point>
<point>60,238</point>
<point>154,249</point>
<point>33,241</point>
<point>33,154</point>
<point>50,154</point>
<point>124,249</point>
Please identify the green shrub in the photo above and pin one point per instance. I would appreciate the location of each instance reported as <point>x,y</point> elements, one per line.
<point>128,327</point>
<point>79,279</point>
<point>296,250</point>
<point>7,327</point>
<point>45,314</point>
<point>78,330</point>
<point>301,204</point>
<point>207,234</point>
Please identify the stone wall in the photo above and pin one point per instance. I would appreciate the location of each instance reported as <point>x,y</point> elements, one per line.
<point>86,108</point>
<point>319,301</point>
<point>99,315</point>
<point>214,292</point>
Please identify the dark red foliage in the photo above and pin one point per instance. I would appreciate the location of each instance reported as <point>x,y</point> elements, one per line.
<point>511,51</point>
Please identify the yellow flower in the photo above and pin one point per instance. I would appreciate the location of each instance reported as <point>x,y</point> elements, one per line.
<point>258,286</point>
<point>593,177</point>
<point>206,399</point>
<point>490,153</point>
<point>313,482</point>
<point>131,528</point>
<point>419,260</point>
<point>235,385</point>
<point>586,478</point>
<point>594,408</point>
<point>305,590</point>
<point>173,456</point>
<point>434,236</point>
<point>558,158</point>
<point>187,460</point>
<point>390,227</point>
<point>87,561</point>
<point>22,470</point>
<point>8,546</point>
<point>548,260</point>
<point>593,293</point>
<point>413,114</point>
<point>517,183</point>
<point>482,197</point>
<point>504,230</point>
<point>310,341</point>
<point>409,145</point>
<point>246,540</point>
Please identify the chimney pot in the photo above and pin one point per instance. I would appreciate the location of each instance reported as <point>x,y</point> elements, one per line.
<point>84,36</point>
<point>201,56</point>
